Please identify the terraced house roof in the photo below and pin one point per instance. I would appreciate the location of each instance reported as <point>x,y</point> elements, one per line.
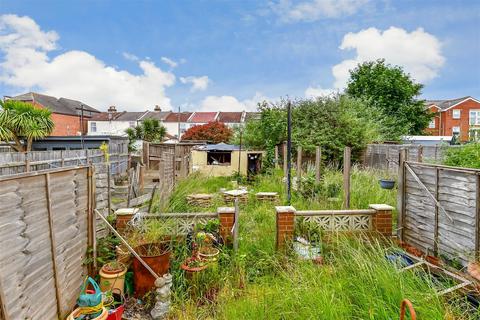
<point>61,105</point>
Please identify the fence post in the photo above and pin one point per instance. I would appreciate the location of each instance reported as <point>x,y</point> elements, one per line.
<point>226,216</point>
<point>401,193</point>
<point>382,219</point>
<point>285,165</point>
<point>285,225</point>
<point>299,167</point>
<point>27,162</point>
<point>420,154</point>
<point>477,221</point>
<point>318,161</point>
<point>146,154</point>
<point>276,157</point>
<point>62,159</point>
<point>53,245</point>
<point>346,176</point>
<point>235,226</point>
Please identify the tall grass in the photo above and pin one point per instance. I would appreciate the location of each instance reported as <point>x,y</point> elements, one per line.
<point>355,282</point>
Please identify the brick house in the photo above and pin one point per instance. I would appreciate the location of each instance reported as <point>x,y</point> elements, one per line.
<point>66,113</point>
<point>455,117</point>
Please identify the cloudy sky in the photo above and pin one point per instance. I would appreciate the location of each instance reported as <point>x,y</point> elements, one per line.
<point>228,55</point>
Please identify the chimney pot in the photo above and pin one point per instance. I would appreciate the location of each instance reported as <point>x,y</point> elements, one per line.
<point>112,109</point>
<point>157,108</point>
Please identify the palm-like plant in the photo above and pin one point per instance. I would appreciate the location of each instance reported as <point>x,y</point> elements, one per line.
<point>21,123</point>
<point>150,130</point>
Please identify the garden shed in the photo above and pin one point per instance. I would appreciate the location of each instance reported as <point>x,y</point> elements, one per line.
<point>225,159</point>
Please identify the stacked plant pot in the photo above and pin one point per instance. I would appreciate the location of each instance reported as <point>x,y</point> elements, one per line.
<point>200,200</point>
<point>271,197</point>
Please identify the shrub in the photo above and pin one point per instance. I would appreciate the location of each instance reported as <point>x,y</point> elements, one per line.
<point>215,132</point>
<point>467,156</point>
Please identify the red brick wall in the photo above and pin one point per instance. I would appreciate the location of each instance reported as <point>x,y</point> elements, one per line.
<point>434,131</point>
<point>463,122</point>
<point>65,125</point>
<point>226,216</point>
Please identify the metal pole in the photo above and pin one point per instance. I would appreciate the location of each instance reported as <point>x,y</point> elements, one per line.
<point>239,155</point>
<point>178,120</point>
<point>235,226</point>
<point>81,125</point>
<point>289,152</point>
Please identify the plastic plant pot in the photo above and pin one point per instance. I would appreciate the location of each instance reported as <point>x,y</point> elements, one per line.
<point>387,184</point>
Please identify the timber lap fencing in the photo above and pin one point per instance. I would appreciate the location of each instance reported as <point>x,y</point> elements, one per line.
<point>439,209</point>
<point>18,162</point>
<point>385,156</point>
<point>45,228</point>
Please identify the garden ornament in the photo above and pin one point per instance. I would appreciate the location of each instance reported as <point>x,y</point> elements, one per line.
<point>163,292</point>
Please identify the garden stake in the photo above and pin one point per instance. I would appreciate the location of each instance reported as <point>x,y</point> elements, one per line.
<point>127,245</point>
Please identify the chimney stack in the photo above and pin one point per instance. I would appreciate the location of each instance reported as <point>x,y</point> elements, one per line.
<point>157,108</point>
<point>112,109</point>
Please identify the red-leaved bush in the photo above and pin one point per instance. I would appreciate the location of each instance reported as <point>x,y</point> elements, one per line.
<point>213,132</point>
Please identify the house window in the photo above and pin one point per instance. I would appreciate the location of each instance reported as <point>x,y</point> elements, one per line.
<point>131,124</point>
<point>456,114</point>
<point>431,125</point>
<point>93,127</point>
<point>475,117</point>
<point>456,130</point>
<point>222,158</point>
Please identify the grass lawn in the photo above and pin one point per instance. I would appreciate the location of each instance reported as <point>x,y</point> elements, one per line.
<point>354,282</point>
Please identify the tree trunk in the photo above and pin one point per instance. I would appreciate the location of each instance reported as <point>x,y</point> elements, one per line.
<point>29,144</point>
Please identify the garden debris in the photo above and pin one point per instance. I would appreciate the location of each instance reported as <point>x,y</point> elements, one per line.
<point>200,200</point>
<point>306,250</point>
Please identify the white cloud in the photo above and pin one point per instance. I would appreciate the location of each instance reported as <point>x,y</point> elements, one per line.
<point>418,52</point>
<point>130,56</point>
<point>198,83</point>
<point>313,10</point>
<point>169,61</point>
<point>26,65</point>
<point>230,103</point>
<point>312,92</point>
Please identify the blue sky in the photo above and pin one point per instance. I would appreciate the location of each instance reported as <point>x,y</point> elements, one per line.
<point>230,54</point>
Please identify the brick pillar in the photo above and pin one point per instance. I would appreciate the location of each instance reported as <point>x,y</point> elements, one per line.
<point>285,225</point>
<point>226,216</point>
<point>382,219</point>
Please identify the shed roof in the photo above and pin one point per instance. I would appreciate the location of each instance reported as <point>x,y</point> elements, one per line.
<point>218,147</point>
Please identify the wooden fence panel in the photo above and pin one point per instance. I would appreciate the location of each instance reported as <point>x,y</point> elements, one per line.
<point>18,162</point>
<point>451,228</point>
<point>43,231</point>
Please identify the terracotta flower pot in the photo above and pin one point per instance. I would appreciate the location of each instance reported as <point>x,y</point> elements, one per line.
<point>143,280</point>
<point>111,279</point>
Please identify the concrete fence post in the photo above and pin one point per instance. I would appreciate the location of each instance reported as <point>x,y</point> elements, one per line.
<point>285,225</point>
<point>382,219</point>
<point>226,216</point>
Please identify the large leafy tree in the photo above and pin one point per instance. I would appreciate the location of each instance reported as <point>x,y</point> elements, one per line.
<point>150,130</point>
<point>213,132</point>
<point>392,98</point>
<point>329,122</point>
<point>21,123</point>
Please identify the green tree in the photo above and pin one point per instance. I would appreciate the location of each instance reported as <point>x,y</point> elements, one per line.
<point>329,122</point>
<point>150,130</point>
<point>21,123</point>
<point>392,98</point>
